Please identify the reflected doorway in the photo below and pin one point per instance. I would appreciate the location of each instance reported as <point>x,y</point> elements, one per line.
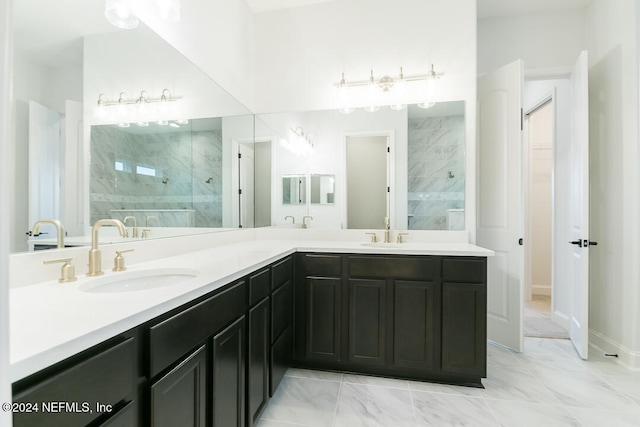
<point>367,160</point>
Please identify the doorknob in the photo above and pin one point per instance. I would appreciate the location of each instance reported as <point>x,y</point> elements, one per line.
<point>576,242</point>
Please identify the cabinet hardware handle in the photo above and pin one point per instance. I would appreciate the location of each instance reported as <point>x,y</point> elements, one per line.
<point>576,242</point>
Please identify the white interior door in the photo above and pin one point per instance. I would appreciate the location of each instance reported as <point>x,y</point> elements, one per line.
<point>579,197</point>
<point>500,211</point>
<point>44,166</point>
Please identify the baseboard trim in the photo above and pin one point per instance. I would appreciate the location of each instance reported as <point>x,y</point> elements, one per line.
<point>626,356</point>
<point>544,290</point>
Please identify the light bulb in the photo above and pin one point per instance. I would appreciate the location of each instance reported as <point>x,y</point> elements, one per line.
<point>118,14</point>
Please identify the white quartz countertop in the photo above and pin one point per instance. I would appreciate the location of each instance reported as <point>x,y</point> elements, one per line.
<point>52,321</point>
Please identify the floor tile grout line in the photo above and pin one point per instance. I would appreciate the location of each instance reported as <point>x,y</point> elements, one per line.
<point>335,411</point>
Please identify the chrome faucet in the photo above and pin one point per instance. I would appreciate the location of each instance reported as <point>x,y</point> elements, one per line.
<point>95,259</point>
<point>134,230</point>
<point>304,223</point>
<point>293,220</point>
<point>387,236</point>
<point>59,229</point>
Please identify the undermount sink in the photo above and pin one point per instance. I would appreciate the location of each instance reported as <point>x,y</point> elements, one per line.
<point>141,280</point>
<point>383,245</point>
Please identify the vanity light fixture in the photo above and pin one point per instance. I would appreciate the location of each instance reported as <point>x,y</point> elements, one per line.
<point>142,109</point>
<point>118,14</point>
<point>393,89</point>
<point>302,144</point>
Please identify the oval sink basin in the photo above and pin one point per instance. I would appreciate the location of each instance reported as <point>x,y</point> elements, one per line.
<point>139,280</point>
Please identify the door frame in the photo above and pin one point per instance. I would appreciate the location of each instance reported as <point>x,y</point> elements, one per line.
<point>391,171</point>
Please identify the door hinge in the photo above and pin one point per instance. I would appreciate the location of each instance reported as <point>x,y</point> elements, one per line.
<point>388,189</point>
<point>239,191</point>
<point>239,155</point>
<point>388,149</point>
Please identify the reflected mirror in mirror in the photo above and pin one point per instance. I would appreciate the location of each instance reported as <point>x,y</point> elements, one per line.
<point>323,188</point>
<point>294,190</point>
<point>60,73</point>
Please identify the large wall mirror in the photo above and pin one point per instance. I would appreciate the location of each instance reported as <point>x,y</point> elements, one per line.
<point>94,139</point>
<point>424,168</point>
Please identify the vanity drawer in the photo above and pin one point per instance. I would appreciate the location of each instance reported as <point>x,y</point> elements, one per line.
<point>405,267</point>
<point>469,270</point>
<point>281,272</point>
<point>323,265</point>
<point>177,335</point>
<point>106,378</point>
<point>259,286</point>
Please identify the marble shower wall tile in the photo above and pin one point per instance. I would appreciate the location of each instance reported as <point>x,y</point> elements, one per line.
<point>436,149</point>
<point>187,159</point>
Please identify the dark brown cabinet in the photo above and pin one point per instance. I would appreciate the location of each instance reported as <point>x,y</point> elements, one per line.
<point>180,396</point>
<point>411,316</point>
<point>367,321</point>
<point>69,397</point>
<point>281,321</point>
<point>228,398</point>
<point>416,325</point>
<point>258,360</point>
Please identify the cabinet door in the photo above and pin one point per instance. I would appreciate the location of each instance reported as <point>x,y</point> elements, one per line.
<point>179,397</point>
<point>228,401</point>
<point>322,318</point>
<point>281,358</point>
<point>367,308</point>
<point>464,336</point>
<point>416,325</point>
<point>259,347</point>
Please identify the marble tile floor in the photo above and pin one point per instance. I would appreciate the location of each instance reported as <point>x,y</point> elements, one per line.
<point>546,385</point>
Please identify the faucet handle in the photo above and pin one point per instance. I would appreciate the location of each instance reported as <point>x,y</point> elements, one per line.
<point>118,261</point>
<point>374,238</point>
<point>68,271</point>
<point>399,238</point>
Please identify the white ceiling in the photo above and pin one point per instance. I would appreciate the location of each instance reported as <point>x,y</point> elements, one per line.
<point>491,8</point>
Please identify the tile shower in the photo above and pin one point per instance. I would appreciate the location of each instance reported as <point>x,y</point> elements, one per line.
<point>436,173</point>
<point>172,178</point>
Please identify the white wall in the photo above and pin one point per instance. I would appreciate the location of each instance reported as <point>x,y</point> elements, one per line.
<point>548,43</point>
<point>6,155</point>
<point>217,36</point>
<point>301,52</point>
<point>613,119</point>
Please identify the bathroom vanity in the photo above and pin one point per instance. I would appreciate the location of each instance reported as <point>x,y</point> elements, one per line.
<point>214,351</point>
